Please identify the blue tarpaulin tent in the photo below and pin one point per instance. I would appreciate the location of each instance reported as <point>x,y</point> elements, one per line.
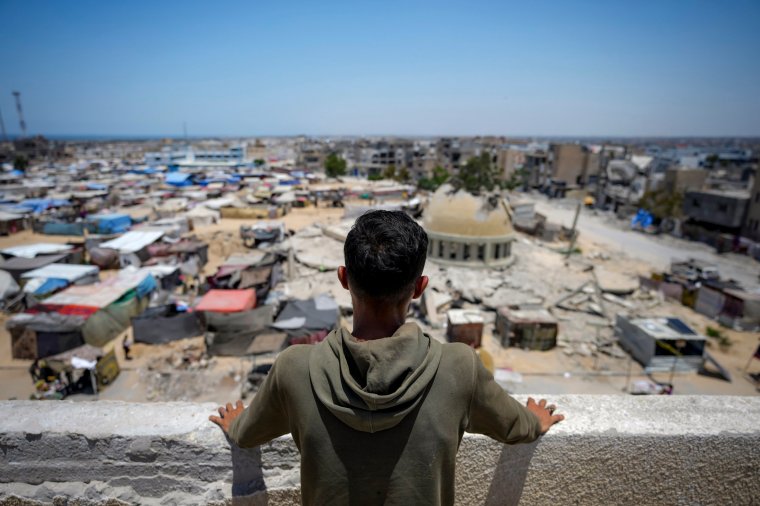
<point>179,179</point>
<point>147,171</point>
<point>41,205</point>
<point>109,223</point>
<point>51,285</point>
<point>62,228</point>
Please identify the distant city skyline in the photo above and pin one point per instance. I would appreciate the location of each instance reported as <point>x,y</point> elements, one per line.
<point>521,69</point>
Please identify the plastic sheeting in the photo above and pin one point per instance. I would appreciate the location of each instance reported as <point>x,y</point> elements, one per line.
<point>18,265</point>
<point>232,334</point>
<point>107,323</point>
<point>110,223</point>
<point>227,301</point>
<point>301,318</point>
<point>8,285</point>
<point>62,228</point>
<point>44,334</point>
<point>164,324</point>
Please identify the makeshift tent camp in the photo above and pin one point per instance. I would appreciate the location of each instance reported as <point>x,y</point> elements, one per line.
<point>9,293</point>
<point>202,215</point>
<point>17,266</point>
<point>43,334</point>
<point>173,226</point>
<point>37,249</point>
<point>308,320</point>
<point>10,223</point>
<point>183,250</point>
<point>262,232</point>
<point>103,257</point>
<point>55,227</point>
<point>179,179</point>
<point>227,301</point>
<point>38,206</point>
<point>232,334</point>
<point>164,324</point>
<point>109,223</point>
<point>168,276</point>
<point>256,270</point>
<point>84,369</point>
<point>8,285</point>
<point>107,306</point>
<point>132,246</point>
<point>53,277</point>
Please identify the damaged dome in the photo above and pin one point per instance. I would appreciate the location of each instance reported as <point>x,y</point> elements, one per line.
<point>461,213</point>
<point>467,230</point>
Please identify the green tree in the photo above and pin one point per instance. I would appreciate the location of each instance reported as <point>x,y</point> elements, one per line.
<point>389,172</point>
<point>402,176</point>
<point>335,166</point>
<point>440,176</point>
<point>477,173</point>
<point>662,204</point>
<point>259,161</point>
<point>20,163</point>
<point>516,179</point>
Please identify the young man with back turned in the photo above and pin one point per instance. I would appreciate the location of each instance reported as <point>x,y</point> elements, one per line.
<point>378,413</point>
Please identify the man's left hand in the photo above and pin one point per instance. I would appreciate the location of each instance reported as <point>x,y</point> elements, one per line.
<point>227,415</point>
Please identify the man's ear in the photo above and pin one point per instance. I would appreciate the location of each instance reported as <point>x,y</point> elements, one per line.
<point>343,276</point>
<point>419,286</point>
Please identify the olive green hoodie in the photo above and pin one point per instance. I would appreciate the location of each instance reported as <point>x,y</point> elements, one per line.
<point>380,422</point>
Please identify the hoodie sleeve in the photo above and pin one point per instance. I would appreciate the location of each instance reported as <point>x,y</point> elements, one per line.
<point>496,414</point>
<point>265,418</point>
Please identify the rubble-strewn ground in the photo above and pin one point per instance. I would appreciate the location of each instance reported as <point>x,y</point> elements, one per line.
<point>587,359</point>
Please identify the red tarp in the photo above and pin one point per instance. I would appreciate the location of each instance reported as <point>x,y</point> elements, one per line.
<point>227,301</point>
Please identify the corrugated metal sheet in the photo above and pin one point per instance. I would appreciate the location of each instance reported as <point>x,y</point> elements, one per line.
<point>32,250</point>
<point>69,272</point>
<point>133,241</point>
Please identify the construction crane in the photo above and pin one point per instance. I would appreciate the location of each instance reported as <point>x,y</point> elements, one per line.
<point>21,123</point>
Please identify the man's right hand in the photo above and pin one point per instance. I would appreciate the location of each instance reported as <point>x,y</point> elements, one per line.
<point>544,413</point>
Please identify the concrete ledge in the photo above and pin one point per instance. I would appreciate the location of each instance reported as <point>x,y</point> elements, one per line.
<point>610,450</point>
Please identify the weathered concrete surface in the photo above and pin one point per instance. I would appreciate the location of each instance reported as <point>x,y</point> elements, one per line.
<point>610,450</point>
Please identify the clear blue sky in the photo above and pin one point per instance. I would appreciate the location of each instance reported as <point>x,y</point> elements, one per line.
<point>362,67</point>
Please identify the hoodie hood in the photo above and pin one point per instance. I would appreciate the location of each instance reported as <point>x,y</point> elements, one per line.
<point>372,385</point>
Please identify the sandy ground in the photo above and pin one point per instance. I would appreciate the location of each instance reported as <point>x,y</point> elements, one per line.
<point>552,372</point>
<point>223,377</point>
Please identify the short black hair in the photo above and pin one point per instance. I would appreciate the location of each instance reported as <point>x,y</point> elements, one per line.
<point>385,254</point>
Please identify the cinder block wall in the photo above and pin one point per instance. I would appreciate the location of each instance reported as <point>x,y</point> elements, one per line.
<point>610,450</point>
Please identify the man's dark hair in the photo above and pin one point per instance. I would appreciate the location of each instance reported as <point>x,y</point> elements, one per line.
<point>385,253</point>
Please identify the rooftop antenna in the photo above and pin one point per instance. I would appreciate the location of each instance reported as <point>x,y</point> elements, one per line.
<point>21,122</point>
<point>2,128</point>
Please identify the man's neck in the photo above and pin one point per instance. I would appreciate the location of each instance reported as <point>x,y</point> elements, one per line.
<point>371,322</point>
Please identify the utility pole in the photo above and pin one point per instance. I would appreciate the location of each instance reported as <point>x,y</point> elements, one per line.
<point>573,233</point>
<point>21,122</point>
<point>2,128</point>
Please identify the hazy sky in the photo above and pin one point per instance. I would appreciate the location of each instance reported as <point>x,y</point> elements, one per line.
<point>662,67</point>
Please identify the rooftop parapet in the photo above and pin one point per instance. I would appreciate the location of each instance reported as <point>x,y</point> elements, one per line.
<point>610,450</point>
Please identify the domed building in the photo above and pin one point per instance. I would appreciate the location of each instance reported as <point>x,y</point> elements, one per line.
<point>467,230</point>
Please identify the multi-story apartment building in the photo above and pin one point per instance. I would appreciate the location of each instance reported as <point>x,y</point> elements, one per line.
<point>751,227</point>
<point>170,155</point>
